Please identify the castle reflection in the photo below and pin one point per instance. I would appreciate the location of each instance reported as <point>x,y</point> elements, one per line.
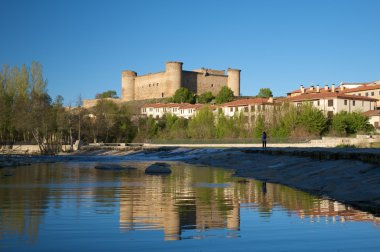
<point>190,199</point>
<point>208,198</point>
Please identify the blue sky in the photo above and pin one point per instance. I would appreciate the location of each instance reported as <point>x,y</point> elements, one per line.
<point>84,45</point>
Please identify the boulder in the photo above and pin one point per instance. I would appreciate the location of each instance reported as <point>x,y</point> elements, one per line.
<point>158,168</point>
<point>114,167</point>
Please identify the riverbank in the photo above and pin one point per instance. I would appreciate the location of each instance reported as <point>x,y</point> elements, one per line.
<point>336,173</point>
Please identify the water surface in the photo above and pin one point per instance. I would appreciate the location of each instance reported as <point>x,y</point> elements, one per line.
<point>72,206</point>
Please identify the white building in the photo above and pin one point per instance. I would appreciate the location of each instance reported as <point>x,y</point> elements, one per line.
<point>158,110</point>
<point>374,118</point>
<point>332,103</point>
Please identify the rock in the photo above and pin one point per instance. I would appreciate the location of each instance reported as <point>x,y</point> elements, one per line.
<point>114,167</point>
<point>158,168</point>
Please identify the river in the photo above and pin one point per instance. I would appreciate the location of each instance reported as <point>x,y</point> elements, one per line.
<point>70,206</point>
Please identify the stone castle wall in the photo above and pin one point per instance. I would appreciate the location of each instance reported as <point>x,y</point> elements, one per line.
<point>164,84</point>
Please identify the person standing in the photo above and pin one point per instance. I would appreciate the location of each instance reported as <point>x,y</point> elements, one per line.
<point>264,140</point>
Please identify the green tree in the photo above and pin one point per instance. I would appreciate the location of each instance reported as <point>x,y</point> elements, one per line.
<point>344,123</point>
<point>265,93</point>
<point>107,94</point>
<point>224,95</point>
<point>312,120</point>
<point>259,126</point>
<point>202,126</point>
<point>206,97</point>
<point>183,95</point>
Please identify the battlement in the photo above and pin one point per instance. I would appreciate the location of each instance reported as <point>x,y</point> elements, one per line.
<point>165,83</point>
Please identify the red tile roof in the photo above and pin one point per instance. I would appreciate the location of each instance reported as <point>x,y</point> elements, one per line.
<point>362,88</point>
<point>308,91</point>
<point>372,113</point>
<point>318,96</point>
<point>245,102</point>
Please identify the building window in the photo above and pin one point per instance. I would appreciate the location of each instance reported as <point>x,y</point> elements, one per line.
<point>360,94</point>
<point>253,108</point>
<point>345,102</point>
<point>231,109</point>
<point>157,110</point>
<point>151,109</point>
<point>149,85</point>
<point>299,104</point>
<point>212,85</point>
<point>362,103</point>
<point>245,109</point>
<point>162,95</point>
<point>372,93</point>
<point>366,93</point>
<point>318,103</point>
<point>330,103</point>
<point>353,103</point>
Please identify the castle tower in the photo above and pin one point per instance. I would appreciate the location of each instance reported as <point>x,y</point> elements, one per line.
<point>128,85</point>
<point>173,76</point>
<point>233,80</point>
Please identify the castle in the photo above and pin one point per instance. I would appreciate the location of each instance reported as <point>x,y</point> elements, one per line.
<point>164,84</point>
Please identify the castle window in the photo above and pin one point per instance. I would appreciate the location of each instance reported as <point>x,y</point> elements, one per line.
<point>162,94</point>
<point>212,85</point>
<point>149,85</point>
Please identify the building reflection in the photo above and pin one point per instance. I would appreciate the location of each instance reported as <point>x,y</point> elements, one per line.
<point>204,199</point>
<point>184,205</point>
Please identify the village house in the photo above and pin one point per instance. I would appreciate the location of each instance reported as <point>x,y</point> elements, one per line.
<point>333,102</point>
<point>158,110</point>
<point>374,118</point>
<point>368,90</point>
<point>251,108</point>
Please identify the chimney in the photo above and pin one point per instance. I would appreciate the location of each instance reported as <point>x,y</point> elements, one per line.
<point>302,89</point>
<point>311,88</point>
<point>318,90</point>
<point>332,88</point>
<point>326,87</point>
<point>342,88</point>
